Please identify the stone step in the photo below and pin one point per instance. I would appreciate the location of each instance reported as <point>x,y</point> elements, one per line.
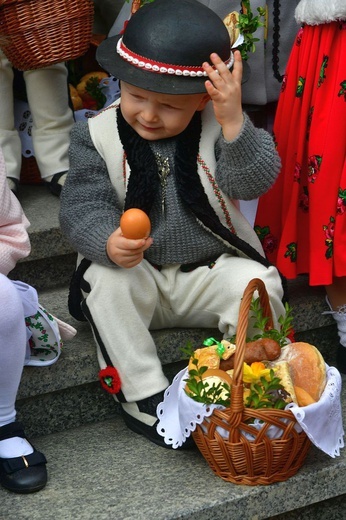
<point>103,470</point>
<point>68,393</point>
<point>52,259</point>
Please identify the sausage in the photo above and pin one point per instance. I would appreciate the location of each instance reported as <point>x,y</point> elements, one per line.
<point>263,349</point>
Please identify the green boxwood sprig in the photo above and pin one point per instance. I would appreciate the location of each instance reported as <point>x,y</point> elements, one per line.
<point>248,25</point>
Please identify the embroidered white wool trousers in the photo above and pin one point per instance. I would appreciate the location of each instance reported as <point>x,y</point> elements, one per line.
<point>125,304</point>
<point>47,93</point>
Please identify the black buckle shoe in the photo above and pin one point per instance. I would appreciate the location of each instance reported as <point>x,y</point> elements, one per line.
<point>141,418</point>
<point>54,186</point>
<point>25,474</point>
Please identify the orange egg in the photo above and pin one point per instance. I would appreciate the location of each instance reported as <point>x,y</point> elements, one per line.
<point>135,223</point>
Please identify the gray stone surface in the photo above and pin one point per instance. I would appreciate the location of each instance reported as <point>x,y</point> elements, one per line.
<point>105,471</point>
<point>42,210</point>
<point>72,406</point>
<point>308,305</point>
<point>65,409</point>
<point>46,273</point>
<point>332,509</point>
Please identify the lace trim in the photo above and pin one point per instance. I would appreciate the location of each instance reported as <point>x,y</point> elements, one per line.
<point>322,421</point>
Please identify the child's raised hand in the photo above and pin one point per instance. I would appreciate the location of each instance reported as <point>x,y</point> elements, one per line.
<point>224,89</point>
<point>126,252</point>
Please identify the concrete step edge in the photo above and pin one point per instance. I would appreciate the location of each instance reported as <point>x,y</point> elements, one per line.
<point>104,470</point>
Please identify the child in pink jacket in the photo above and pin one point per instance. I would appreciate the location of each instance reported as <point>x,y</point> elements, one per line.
<point>22,467</point>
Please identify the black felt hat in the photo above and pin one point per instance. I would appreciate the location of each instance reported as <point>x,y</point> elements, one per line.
<point>164,46</point>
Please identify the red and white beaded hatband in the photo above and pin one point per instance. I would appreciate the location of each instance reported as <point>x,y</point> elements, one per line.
<point>162,68</point>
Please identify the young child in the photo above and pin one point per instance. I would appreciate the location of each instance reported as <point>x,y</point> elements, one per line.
<point>178,146</point>
<point>302,220</point>
<point>47,92</point>
<point>22,467</point>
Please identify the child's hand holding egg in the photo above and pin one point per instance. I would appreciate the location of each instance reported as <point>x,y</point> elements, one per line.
<point>135,224</point>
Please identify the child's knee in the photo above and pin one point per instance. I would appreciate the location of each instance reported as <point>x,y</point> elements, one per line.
<point>272,281</point>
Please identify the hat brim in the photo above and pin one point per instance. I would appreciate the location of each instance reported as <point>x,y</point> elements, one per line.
<point>114,64</point>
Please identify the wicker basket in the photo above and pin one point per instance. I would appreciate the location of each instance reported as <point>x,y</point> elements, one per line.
<point>234,457</point>
<point>39,33</point>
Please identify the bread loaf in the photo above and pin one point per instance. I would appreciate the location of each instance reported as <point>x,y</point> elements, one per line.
<point>303,398</point>
<point>307,368</point>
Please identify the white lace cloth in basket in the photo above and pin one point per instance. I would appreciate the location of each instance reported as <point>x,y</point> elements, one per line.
<point>179,414</point>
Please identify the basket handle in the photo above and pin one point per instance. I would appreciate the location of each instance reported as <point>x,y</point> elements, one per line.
<point>237,402</point>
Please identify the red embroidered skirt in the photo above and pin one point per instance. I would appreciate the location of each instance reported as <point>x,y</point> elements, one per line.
<point>301,221</point>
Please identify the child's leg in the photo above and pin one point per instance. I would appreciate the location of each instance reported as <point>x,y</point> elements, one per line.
<point>211,298</point>
<point>22,468</point>
<point>120,307</point>
<point>47,92</point>
<point>12,348</point>
<point>336,299</point>
<point>337,293</point>
<point>12,353</point>
<point>122,303</point>
<point>9,138</point>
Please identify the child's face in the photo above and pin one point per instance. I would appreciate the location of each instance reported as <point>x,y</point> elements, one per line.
<point>158,116</point>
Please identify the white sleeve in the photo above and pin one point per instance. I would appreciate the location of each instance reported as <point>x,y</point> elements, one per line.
<point>316,12</point>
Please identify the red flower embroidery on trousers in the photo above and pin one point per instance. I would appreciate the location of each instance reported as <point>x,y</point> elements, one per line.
<point>110,380</point>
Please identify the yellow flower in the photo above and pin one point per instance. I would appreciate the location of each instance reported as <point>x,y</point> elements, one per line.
<point>253,373</point>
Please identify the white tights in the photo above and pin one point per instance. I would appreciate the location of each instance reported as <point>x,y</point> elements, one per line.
<point>12,354</point>
<point>340,317</point>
